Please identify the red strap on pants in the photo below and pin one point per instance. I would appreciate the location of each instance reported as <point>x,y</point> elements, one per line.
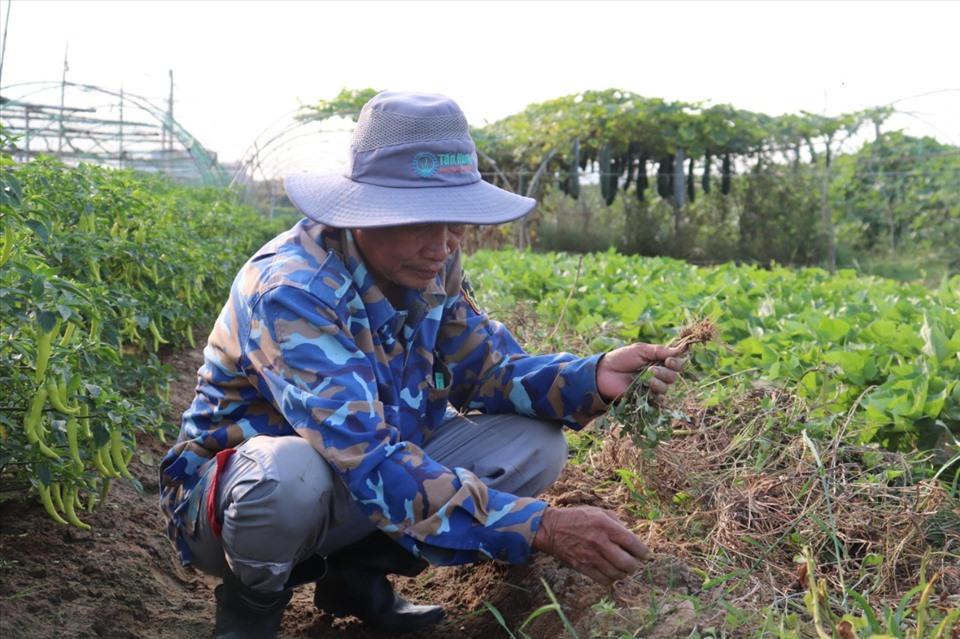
<point>222,458</point>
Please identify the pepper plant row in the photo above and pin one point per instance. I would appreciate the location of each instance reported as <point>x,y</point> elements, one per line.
<point>884,353</point>
<point>99,269</point>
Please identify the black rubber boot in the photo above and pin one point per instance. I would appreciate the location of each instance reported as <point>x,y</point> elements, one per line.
<point>243,613</point>
<point>356,584</point>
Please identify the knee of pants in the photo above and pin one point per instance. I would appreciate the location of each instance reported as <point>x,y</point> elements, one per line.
<point>537,457</point>
<point>551,456</point>
<point>279,499</point>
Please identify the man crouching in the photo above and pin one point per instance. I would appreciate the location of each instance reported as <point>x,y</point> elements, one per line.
<point>357,415</point>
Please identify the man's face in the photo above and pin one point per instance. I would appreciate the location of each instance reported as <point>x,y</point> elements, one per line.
<point>410,255</point>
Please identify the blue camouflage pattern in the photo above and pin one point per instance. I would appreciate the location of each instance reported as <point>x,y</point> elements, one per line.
<point>307,345</point>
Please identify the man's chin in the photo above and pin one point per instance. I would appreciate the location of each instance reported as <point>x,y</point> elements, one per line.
<point>421,281</point>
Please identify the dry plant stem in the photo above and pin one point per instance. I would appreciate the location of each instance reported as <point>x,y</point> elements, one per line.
<point>576,281</point>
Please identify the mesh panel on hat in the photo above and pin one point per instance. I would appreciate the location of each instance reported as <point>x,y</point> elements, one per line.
<point>377,129</point>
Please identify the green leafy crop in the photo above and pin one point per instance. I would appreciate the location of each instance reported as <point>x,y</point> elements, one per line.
<point>884,350</point>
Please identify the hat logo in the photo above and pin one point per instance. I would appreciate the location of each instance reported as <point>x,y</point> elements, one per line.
<point>425,164</point>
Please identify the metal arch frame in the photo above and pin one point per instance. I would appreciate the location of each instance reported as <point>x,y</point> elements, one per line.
<point>207,166</point>
<point>257,153</point>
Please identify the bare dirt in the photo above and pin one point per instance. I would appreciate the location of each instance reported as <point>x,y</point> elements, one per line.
<point>121,579</point>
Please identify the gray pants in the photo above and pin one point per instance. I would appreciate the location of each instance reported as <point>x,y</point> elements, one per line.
<point>280,502</point>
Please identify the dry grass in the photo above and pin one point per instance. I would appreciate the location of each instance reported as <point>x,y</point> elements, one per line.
<point>754,494</point>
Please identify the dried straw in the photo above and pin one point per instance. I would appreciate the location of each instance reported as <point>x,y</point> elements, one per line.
<point>758,495</point>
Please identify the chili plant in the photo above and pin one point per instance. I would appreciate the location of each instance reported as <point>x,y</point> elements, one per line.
<point>99,269</point>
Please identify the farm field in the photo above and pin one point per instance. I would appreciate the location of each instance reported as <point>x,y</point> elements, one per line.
<point>801,481</point>
<point>120,579</point>
<point>253,263</point>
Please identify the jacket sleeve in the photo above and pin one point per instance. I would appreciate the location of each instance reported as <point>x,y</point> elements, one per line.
<point>309,366</point>
<point>492,373</point>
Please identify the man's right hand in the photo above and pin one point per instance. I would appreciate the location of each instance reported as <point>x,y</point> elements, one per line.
<point>592,541</point>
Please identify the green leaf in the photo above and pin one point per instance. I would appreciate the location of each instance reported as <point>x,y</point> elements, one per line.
<point>499,617</point>
<point>47,321</point>
<point>37,286</point>
<point>716,581</point>
<point>868,612</point>
<point>39,229</point>
<point>934,341</point>
<point>951,407</point>
<point>938,391</point>
<point>11,193</point>
<point>100,433</point>
<point>539,611</point>
<point>873,559</point>
<point>857,366</point>
<point>832,330</point>
<point>43,474</point>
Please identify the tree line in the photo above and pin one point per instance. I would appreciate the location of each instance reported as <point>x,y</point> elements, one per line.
<point>716,182</point>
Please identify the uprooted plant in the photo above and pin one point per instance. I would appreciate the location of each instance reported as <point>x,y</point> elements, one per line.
<point>637,411</point>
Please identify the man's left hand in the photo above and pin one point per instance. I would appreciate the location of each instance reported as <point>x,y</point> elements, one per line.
<point>616,369</point>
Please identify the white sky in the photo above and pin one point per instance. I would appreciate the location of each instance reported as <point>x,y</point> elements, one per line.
<point>239,66</point>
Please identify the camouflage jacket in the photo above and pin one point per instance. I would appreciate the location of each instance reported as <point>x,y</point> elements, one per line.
<point>307,345</point>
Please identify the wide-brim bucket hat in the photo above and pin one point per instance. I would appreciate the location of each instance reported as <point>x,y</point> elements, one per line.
<point>411,161</point>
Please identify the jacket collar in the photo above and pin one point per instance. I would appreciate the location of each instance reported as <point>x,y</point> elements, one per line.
<point>379,309</point>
